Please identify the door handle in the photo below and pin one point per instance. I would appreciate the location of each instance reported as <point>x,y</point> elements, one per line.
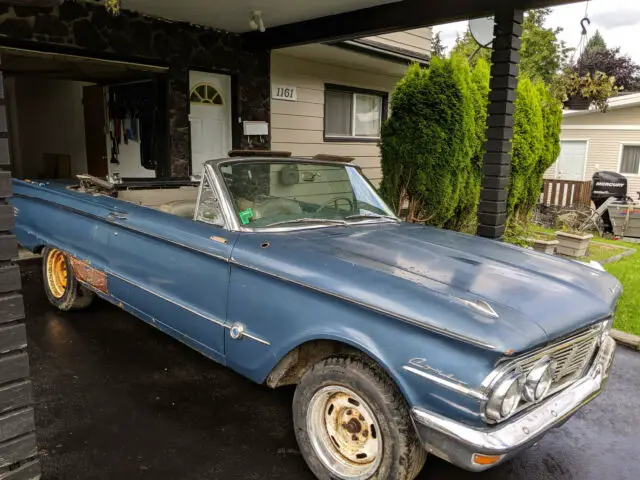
<point>117,216</point>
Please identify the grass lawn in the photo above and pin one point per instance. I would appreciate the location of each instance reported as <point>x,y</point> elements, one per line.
<point>627,270</point>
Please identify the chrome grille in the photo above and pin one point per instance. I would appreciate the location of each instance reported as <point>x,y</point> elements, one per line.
<point>571,357</point>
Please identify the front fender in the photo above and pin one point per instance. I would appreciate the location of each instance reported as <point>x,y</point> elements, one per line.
<point>286,316</point>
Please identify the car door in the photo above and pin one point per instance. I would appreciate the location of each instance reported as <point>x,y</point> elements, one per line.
<point>174,271</point>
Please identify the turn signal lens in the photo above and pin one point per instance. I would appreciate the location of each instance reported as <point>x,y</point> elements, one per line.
<point>480,459</point>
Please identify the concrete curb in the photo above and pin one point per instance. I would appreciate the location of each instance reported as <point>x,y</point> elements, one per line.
<point>628,251</point>
<point>626,339</point>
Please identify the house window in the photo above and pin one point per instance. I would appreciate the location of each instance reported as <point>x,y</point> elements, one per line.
<point>205,93</point>
<point>630,161</point>
<point>352,114</point>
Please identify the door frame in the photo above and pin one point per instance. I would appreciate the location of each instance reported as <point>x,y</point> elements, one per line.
<point>236,125</point>
<point>586,157</point>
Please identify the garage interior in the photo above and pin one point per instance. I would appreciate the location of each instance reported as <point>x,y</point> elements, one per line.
<point>70,115</point>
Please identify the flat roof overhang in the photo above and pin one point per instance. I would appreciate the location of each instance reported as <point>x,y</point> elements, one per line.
<point>398,16</point>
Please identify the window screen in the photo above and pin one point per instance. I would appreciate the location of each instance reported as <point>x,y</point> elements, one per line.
<point>630,159</point>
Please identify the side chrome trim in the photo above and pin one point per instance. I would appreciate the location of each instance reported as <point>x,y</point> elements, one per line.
<point>167,299</point>
<point>456,387</point>
<point>257,339</point>
<point>121,225</point>
<point>411,321</point>
<point>244,333</point>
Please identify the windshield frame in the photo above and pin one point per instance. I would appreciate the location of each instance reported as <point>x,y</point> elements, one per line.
<point>212,169</point>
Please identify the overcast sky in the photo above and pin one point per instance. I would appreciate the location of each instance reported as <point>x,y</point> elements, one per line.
<point>617,20</point>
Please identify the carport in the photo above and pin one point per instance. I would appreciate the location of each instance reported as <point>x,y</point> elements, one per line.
<point>227,44</point>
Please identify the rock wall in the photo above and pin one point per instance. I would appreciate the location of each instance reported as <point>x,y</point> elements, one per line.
<point>88,29</point>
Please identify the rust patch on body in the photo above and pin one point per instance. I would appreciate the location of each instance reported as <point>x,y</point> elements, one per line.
<point>89,275</point>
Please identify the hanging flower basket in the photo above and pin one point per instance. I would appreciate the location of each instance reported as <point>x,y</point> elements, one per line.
<point>578,102</point>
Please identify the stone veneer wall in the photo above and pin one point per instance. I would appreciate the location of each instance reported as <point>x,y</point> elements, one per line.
<point>87,29</point>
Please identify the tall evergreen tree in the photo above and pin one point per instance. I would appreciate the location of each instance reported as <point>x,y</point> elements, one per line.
<point>596,43</point>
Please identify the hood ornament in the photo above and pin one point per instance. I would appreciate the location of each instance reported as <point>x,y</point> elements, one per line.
<point>480,306</point>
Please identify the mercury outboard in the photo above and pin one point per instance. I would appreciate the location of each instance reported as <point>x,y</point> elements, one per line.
<point>604,185</point>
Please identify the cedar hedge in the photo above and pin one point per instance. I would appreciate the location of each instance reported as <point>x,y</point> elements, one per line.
<point>432,144</point>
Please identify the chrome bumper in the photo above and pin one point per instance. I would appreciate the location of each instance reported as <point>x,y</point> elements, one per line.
<point>457,443</point>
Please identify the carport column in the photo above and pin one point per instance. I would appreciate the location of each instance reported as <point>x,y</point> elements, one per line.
<point>17,428</point>
<point>492,211</point>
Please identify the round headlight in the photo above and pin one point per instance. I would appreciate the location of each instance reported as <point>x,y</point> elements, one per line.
<point>505,397</point>
<point>538,381</point>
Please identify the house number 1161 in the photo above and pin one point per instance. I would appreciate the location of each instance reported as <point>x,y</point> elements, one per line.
<point>281,92</point>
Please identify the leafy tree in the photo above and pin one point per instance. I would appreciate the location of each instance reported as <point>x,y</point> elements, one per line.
<point>610,62</point>
<point>542,54</point>
<point>437,47</point>
<point>468,48</point>
<point>596,43</point>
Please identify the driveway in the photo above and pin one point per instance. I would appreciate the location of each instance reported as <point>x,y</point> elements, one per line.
<point>117,399</point>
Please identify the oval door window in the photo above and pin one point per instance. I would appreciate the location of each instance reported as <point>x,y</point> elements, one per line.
<point>206,93</point>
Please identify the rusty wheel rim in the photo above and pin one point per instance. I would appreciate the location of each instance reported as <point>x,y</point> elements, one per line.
<point>56,273</point>
<point>345,433</point>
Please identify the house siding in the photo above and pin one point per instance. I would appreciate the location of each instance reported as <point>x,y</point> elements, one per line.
<point>604,147</point>
<point>417,40</point>
<point>298,126</point>
<point>619,116</point>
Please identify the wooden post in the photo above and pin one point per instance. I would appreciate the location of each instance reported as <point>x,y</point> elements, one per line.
<point>18,450</point>
<point>492,210</point>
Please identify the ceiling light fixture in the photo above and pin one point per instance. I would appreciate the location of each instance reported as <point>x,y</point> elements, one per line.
<point>255,21</point>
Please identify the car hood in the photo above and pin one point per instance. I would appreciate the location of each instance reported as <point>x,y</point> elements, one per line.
<point>432,277</point>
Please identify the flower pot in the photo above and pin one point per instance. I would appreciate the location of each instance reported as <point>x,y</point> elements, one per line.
<point>578,102</point>
<point>573,244</point>
<point>544,246</point>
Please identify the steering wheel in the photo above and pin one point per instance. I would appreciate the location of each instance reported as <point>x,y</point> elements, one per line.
<point>336,201</point>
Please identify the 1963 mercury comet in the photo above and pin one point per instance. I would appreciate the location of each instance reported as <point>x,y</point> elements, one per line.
<point>401,339</point>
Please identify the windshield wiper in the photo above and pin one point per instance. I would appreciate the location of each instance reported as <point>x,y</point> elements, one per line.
<point>329,221</point>
<point>370,215</point>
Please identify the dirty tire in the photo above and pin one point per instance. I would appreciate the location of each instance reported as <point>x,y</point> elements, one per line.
<point>403,456</point>
<point>75,296</point>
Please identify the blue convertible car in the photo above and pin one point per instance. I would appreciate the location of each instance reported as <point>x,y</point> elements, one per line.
<point>402,340</point>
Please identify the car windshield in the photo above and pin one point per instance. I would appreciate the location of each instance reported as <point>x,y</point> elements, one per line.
<point>276,193</point>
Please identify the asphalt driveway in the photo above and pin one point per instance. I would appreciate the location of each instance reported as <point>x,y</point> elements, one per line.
<point>117,399</point>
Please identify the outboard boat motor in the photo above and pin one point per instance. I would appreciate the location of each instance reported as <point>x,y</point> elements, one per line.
<point>604,185</point>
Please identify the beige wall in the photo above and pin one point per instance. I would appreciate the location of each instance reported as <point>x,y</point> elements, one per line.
<point>605,134</point>
<point>417,40</point>
<point>298,126</point>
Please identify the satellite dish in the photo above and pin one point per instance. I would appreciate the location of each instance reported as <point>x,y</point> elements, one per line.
<point>482,30</point>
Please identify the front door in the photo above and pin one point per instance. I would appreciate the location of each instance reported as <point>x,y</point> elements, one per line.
<point>572,159</point>
<point>210,117</point>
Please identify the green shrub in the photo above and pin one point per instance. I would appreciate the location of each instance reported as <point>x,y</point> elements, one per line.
<point>426,144</point>
<point>536,145</point>
<point>432,145</point>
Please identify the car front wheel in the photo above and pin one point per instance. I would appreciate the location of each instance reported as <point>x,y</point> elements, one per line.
<point>352,423</point>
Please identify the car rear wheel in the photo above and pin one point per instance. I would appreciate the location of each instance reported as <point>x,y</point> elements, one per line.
<point>62,289</point>
<point>352,423</point>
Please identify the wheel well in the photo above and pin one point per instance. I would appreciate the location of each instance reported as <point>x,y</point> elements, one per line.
<point>294,364</point>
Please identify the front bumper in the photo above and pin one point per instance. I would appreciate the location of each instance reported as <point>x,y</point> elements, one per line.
<point>458,443</point>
